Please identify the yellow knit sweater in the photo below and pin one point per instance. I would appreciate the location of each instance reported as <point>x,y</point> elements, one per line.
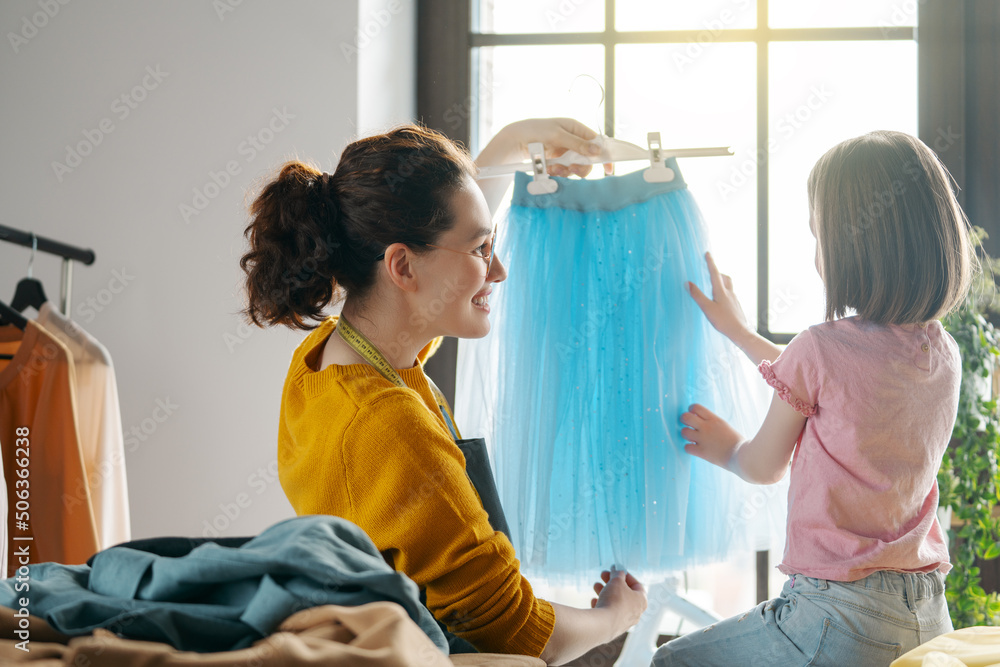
<point>352,444</point>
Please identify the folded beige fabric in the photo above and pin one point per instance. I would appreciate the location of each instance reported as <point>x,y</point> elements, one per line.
<point>978,646</point>
<point>378,633</point>
<point>38,628</point>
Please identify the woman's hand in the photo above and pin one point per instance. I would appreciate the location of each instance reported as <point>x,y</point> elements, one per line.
<point>620,601</point>
<point>623,594</point>
<point>714,440</point>
<point>557,134</point>
<point>723,310</point>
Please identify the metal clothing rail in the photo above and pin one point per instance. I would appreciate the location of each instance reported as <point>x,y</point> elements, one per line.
<point>68,252</point>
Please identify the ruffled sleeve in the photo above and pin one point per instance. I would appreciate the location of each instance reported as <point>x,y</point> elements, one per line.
<point>783,391</point>
<point>795,374</point>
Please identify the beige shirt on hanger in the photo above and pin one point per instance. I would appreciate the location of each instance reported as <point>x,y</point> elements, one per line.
<point>100,423</point>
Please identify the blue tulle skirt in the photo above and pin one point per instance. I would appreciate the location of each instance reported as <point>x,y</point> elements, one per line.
<point>600,349</point>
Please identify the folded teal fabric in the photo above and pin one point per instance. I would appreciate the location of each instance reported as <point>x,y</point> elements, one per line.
<point>219,598</point>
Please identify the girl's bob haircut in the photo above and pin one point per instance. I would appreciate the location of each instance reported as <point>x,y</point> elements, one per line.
<point>893,243</point>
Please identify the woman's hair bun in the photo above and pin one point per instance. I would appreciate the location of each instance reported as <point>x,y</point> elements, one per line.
<point>291,266</point>
<point>316,236</point>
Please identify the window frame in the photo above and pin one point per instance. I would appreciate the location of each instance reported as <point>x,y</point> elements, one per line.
<point>956,90</point>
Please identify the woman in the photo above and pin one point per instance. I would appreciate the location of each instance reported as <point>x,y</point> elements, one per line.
<point>403,232</point>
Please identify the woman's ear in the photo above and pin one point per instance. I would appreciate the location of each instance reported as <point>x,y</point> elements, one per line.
<point>399,266</point>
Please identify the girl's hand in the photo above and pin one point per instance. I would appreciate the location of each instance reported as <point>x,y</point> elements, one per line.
<point>714,440</point>
<point>723,309</point>
<point>623,594</point>
<point>557,134</point>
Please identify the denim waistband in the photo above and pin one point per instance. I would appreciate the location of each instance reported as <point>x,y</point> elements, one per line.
<point>611,193</point>
<point>915,585</point>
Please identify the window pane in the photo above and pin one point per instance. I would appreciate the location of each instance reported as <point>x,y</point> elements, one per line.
<point>533,16</point>
<point>822,93</point>
<point>840,14</point>
<point>516,82</point>
<point>706,101</point>
<point>709,15</point>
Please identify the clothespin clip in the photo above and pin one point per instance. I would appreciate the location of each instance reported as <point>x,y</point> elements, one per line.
<point>540,184</point>
<point>658,172</point>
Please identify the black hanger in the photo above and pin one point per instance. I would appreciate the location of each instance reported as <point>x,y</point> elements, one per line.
<point>29,292</point>
<point>11,316</point>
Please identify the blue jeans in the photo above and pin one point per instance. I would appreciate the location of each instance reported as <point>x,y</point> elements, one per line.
<point>871,621</point>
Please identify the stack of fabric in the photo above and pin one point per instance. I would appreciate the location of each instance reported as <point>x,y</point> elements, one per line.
<point>309,590</point>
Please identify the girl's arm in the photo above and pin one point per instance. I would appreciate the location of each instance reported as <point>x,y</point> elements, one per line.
<point>724,312</point>
<point>764,458</point>
<point>761,460</point>
<point>511,145</point>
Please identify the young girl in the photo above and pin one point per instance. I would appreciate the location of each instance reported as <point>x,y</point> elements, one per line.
<point>867,404</point>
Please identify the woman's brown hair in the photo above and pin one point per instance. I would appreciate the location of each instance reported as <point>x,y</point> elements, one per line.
<point>314,236</point>
<point>894,244</point>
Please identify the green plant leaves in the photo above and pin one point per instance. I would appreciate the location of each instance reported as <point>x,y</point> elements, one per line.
<point>969,478</point>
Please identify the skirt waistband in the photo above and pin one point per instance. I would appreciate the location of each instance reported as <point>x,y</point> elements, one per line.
<point>611,193</point>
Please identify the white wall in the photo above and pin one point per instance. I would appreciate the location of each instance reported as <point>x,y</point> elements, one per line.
<point>387,49</point>
<point>164,291</point>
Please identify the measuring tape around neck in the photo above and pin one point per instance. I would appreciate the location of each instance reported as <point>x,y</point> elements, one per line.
<point>370,353</point>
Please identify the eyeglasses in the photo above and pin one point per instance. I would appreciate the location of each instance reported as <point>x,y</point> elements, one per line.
<point>487,252</point>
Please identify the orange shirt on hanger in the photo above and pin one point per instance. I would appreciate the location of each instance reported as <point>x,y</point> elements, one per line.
<point>51,518</point>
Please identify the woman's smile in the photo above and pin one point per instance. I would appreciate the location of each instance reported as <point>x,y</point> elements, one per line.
<point>481,300</point>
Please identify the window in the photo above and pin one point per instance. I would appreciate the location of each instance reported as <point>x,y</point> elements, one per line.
<point>780,81</point>
<point>958,100</point>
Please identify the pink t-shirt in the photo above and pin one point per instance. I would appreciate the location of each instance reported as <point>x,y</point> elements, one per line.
<point>881,404</point>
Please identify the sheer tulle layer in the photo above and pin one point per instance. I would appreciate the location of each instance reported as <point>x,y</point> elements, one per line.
<point>600,350</point>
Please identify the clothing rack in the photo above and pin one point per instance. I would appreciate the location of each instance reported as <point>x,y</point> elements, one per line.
<point>68,252</point>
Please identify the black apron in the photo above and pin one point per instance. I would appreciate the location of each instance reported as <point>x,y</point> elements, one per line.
<point>477,467</point>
